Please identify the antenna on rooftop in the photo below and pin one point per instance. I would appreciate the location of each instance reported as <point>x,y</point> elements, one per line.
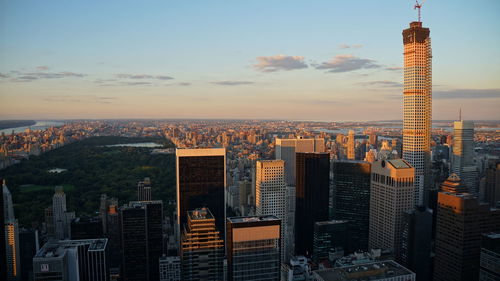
<point>418,6</point>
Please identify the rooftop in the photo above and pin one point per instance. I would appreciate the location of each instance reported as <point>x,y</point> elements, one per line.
<point>253,219</point>
<point>55,249</point>
<point>361,272</point>
<point>331,222</point>
<point>200,214</point>
<point>399,164</point>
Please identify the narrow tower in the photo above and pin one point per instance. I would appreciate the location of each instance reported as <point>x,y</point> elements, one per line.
<point>417,104</point>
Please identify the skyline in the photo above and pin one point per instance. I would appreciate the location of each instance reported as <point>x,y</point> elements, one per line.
<point>290,61</point>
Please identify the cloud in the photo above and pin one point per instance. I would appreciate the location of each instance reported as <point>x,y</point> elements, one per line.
<point>31,76</point>
<point>384,83</point>
<point>79,99</point>
<point>345,63</point>
<point>394,68</point>
<point>467,94</point>
<point>184,84</point>
<point>42,68</point>
<point>232,83</point>
<point>143,76</point>
<point>345,46</point>
<point>279,62</point>
<point>4,75</point>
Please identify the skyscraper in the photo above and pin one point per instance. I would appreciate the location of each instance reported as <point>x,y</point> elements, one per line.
<point>312,192</point>
<point>351,199</point>
<point>286,149</point>
<point>391,195</point>
<point>417,104</point>
<point>490,257</point>
<point>271,193</point>
<point>329,235</point>
<point>202,247</point>
<point>201,182</point>
<point>463,155</point>
<point>3,256</point>
<point>62,218</point>
<point>170,268</point>
<point>492,184</point>
<point>351,146</point>
<point>11,237</point>
<point>460,221</point>
<point>253,251</point>
<point>144,190</point>
<point>142,239</point>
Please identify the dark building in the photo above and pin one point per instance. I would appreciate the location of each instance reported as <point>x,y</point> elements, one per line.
<point>329,235</point>
<point>3,249</point>
<point>201,181</point>
<point>253,251</point>
<point>202,248</point>
<point>114,236</point>
<point>28,246</point>
<point>144,190</point>
<point>415,249</point>
<point>86,228</point>
<point>489,269</point>
<point>311,197</point>
<point>492,184</point>
<point>142,240</point>
<point>351,200</point>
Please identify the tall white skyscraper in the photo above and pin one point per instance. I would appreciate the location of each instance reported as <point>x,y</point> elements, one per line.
<point>463,155</point>
<point>391,194</point>
<point>417,104</point>
<point>62,218</point>
<point>11,237</point>
<point>271,194</point>
<point>286,149</point>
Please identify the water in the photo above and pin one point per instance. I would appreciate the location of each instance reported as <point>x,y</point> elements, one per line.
<point>39,125</point>
<point>139,144</point>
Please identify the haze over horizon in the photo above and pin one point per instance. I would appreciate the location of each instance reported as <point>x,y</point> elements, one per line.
<point>279,60</point>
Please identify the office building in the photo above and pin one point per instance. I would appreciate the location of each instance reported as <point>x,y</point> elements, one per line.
<point>391,195</point>
<point>489,267</point>
<point>271,194</point>
<point>142,239</point>
<point>3,248</point>
<point>376,271</point>
<point>351,199</point>
<point>103,210</point>
<point>28,247</point>
<point>72,260</point>
<point>312,197</point>
<point>114,236</point>
<point>11,237</point>
<point>460,221</point>
<point>202,247</point>
<point>330,235</point>
<point>86,228</point>
<point>454,184</point>
<point>463,155</point>
<point>351,146</point>
<point>287,148</point>
<point>201,182</point>
<point>170,268</point>
<point>62,218</point>
<point>253,251</point>
<point>245,191</point>
<point>492,184</point>
<point>144,190</point>
<point>415,249</point>
<point>417,105</point>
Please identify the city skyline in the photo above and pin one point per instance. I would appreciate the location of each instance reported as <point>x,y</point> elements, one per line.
<point>298,61</point>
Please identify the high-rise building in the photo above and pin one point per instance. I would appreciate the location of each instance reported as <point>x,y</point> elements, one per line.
<point>170,268</point>
<point>454,184</point>
<point>417,106</point>
<point>312,197</point>
<point>86,228</point>
<point>244,192</point>
<point>142,239</point>
<point>286,149</point>
<point>3,255</point>
<point>11,237</point>
<point>489,267</point>
<point>415,249</point>
<point>201,182</point>
<point>463,155</point>
<point>72,260</point>
<point>460,221</point>
<point>62,218</point>
<point>330,235</point>
<point>391,195</point>
<point>29,246</point>
<point>492,184</point>
<point>202,247</point>
<point>351,199</point>
<point>114,236</point>
<point>351,146</point>
<point>103,210</point>
<point>387,270</point>
<point>253,251</point>
<point>144,190</point>
<point>270,194</point>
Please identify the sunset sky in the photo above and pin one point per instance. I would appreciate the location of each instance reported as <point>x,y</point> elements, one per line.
<point>299,60</point>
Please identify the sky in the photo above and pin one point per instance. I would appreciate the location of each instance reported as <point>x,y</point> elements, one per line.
<point>296,60</point>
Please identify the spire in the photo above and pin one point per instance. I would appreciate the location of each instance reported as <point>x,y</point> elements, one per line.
<point>460,114</point>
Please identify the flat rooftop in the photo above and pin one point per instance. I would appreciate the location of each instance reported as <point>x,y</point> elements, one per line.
<point>200,214</point>
<point>331,222</point>
<point>253,219</point>
<point>55,249</point>
<point>399,164</point>
<point>364,272</point>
